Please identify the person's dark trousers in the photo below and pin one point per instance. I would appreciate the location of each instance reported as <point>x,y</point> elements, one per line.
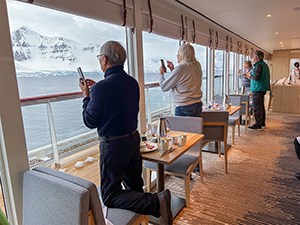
<point>259,107</point>
<point>189,110</point>
<point>297,147</point>
<point>120,161</point>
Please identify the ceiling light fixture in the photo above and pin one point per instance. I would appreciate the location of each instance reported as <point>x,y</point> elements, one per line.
<point>281,43</point>
<point>269,15</point>
<point>276,33</point>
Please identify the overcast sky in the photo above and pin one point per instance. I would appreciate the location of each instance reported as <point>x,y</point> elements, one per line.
<point>52,23</point>
<point>55,23</point>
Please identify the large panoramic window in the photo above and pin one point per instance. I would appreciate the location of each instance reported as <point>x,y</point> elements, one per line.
<point>47,51</point>
<point>201,55</point>
<point>241,67</point>
<point>232,71</point>
<point>219,73</point>
<point>155,48</point>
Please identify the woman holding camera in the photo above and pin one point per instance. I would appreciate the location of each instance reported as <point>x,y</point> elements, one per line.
<point>185,82</point>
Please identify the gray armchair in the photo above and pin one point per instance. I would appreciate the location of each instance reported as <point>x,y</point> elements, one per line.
<point>54,197</point>
<point>245,110</point>
<point>215,128</point>
<point>186,164</point>
<point>234,120</point>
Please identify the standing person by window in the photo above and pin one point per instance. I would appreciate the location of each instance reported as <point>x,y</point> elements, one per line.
<point>185,82</point>
<point>112,106</point>
<point>245,80</point>
<point>260,84</point>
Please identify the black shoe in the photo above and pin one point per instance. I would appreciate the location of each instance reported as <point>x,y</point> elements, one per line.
<point>263,126</point>
<point>165,207</point>
<point>197,170</point>
<point>255,127</point>
<point>297,175</point>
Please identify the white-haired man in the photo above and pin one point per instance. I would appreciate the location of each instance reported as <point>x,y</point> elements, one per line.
<point>112,105</point>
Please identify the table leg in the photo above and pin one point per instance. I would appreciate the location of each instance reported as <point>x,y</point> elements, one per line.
<point>160,177</point>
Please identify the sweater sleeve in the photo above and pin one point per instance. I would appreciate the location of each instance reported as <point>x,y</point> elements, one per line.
<point>172,81</point>
<point>92,110</point>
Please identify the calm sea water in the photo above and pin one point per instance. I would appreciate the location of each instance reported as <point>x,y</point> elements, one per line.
<point>67,114</point>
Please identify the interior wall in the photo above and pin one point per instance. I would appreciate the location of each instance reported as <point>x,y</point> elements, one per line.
<point>281,62</point>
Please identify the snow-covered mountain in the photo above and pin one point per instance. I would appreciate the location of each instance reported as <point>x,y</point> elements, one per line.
<point>35,52</point>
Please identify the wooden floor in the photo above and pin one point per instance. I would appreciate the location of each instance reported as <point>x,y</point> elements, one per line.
<point>260,187</point>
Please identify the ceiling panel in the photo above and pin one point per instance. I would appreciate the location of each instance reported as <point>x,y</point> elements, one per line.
<point>247,18</point>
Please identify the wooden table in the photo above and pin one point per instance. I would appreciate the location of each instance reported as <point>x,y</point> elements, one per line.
<point>169,158</point>
<point>177,204</point>
<point>233,109</point>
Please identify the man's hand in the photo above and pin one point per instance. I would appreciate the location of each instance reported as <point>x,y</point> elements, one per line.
<point>85,86</point>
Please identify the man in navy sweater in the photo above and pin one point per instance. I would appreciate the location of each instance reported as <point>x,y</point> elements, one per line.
<point>112,105</point>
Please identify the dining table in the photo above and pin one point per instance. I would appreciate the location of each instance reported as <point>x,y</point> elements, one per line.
<point>177,204</point>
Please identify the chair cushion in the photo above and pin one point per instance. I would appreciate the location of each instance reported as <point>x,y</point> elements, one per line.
<point>233,120</point>
<point>180,166</point>
<point>119,216</point>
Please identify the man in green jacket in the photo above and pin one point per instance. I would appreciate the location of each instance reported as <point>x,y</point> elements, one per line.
<point>260,84</point>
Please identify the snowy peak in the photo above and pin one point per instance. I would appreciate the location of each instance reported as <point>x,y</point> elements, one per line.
<point>37,52</point>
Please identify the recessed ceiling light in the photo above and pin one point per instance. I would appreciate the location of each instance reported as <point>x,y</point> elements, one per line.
<point>276,33</point>
<point>281,43</point>
<point>269,15</point>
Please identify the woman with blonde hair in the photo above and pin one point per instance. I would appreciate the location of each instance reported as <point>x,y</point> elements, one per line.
<point>185,82</point>
<point>243,75</point>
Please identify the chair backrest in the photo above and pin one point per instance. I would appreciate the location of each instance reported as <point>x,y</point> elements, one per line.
<point>215,125</point>
<point>78,205</point>
<point>219,99</point>
<point>245,102</point>
<point>95,204</point>
<point>236,101</point>
<point>51,200</point>
<point>187,124</point>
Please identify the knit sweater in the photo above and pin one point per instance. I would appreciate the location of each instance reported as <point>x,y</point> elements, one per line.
<point>185,84</point>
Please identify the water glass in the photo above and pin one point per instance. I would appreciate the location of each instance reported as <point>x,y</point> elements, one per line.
<point>164,143</point>
<point>182,139</point>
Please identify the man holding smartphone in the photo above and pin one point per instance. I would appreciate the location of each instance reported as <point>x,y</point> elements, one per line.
<point>112,106</point>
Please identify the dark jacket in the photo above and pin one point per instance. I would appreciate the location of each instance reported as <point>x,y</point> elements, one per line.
<point>113,104</point>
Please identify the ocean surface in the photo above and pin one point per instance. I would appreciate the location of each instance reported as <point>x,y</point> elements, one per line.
<point>67,114</point>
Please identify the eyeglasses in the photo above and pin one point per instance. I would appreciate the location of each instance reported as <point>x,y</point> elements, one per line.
<point>99,56</point>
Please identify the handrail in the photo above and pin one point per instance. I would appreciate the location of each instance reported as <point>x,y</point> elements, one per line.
<point>42,154</point>
<point>63,96</point>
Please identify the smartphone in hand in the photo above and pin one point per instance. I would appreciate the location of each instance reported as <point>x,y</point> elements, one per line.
<point>80,73</point>
<point>162,64</point>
